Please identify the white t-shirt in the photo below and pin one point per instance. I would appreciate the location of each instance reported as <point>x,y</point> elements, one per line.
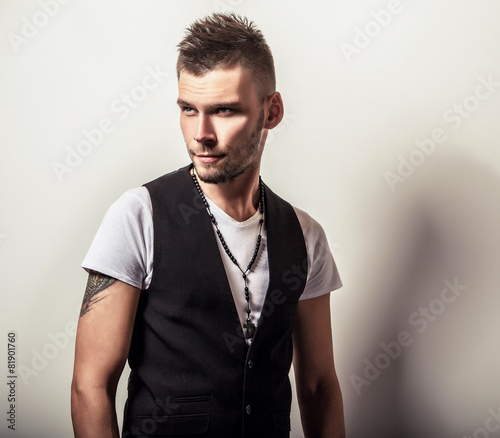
<point>123,249</point>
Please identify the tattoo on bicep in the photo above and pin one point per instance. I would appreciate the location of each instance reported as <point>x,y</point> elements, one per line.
<point>96,283</point>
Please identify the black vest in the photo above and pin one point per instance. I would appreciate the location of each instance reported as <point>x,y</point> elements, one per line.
<point>192,372</point>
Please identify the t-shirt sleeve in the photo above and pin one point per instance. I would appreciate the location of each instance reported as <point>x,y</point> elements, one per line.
<point>122,247</point>
<point>322,274</point>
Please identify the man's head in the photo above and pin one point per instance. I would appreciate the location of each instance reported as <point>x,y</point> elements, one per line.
<point>227,97</point>
<point>223,41</point>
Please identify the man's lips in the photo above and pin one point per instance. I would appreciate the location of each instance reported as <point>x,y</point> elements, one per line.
<point>208,158</point>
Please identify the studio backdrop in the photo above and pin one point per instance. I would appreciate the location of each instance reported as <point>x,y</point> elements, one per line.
<point>390,140</point>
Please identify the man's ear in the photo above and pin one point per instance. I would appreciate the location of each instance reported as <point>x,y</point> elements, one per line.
<point>276,110</point>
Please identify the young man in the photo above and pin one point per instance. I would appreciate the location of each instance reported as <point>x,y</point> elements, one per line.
<point>204,279</point>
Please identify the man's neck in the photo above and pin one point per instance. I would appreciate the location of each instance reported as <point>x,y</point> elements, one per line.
<point>239,198</point>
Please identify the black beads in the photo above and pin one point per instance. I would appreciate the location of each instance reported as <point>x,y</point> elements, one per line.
<point>249,326</point>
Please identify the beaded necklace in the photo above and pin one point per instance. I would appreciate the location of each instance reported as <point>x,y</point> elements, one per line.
<point>249,326</point>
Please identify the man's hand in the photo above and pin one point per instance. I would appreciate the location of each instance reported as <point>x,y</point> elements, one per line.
<point>102,346</point>
<point>318,389</point>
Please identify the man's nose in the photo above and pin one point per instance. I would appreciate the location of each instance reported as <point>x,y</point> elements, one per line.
<point>204,132</point>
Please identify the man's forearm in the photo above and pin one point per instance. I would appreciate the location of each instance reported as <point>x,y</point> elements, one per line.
<point>322,412</point>
<point>93,414</point>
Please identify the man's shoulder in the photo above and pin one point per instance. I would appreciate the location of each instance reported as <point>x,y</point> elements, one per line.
<point>307,222</point>
<point>310,227</point>
<point>133,202</point>
<point>168,178</point>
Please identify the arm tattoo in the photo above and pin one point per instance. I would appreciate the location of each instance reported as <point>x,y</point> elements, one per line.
<point>97,283</point>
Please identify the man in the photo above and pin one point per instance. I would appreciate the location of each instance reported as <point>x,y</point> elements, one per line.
<point>204,278</point>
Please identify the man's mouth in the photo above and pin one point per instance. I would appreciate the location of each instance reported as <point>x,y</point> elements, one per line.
<point>208,158</point>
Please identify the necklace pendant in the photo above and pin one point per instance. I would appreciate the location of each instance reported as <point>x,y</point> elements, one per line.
<point>250,329</point>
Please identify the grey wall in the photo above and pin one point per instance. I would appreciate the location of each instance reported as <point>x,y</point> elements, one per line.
<point>390,140</point>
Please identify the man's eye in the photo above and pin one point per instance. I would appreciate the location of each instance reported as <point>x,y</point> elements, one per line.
<point>224,111</point>
<point>187,110</point>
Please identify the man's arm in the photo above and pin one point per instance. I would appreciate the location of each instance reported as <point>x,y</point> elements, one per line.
<point>102,346</point>
<point>318,389</point>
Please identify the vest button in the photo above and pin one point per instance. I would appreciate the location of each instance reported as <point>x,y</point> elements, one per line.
<point>250,364</point>
<point>248,409</point>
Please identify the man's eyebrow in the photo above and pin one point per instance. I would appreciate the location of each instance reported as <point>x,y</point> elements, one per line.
<point>183,102</point>
<point>233,104</point>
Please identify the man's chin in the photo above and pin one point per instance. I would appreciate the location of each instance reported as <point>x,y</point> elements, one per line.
<point>211,175</point>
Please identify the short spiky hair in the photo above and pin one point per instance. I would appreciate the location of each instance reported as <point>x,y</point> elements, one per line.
<point>224,40</point>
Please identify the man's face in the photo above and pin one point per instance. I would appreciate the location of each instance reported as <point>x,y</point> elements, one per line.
<point>221,120</point>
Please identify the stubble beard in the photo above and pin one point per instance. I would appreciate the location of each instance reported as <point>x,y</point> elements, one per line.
<point>219,173</point>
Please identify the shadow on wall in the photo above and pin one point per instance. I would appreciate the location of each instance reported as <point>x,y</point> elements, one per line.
<point>429,365</point>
